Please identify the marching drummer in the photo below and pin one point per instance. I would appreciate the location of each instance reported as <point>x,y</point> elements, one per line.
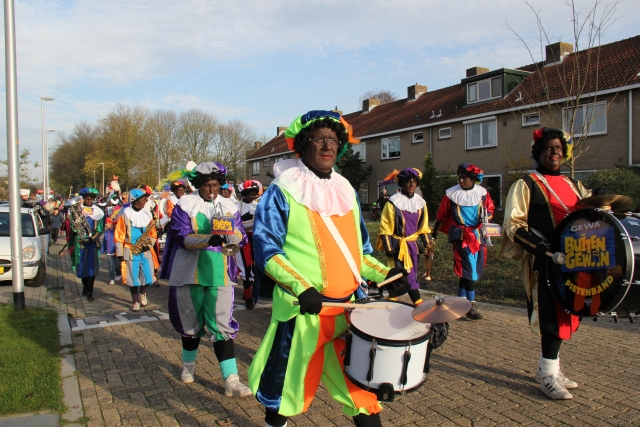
<point>405,219</point>
<point>300,218</point>
<point>535,205</point>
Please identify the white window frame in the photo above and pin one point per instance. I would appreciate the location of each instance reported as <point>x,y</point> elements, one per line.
<point>364,193</point>
<point>476,121</point>
<point>477,85</point>
<point>265,162</point>
<point>440,133</point>
<point>499,189</point>
<point>385,141</point>
<point>565,124</point>
<point>526,115</point>
<point>361,149</point>
<point>255,168</point>
<point>413,138</point>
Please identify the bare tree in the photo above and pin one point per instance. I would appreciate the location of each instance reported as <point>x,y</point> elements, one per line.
<point>161,134</point>
<point>236,140</point>
<point>565,92</point>
<point>70,155</point>
<point>197,135</point>
<point>384,96</point>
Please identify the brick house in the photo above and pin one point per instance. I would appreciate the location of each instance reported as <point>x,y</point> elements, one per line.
<point>488,118</point>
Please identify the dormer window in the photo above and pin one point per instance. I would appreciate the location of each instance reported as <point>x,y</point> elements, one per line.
<point>484,90</point>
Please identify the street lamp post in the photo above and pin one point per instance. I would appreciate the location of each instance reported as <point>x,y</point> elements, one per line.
<point>44,154</point>
<point>45,167</point>
<point>94,178</point>
<point>103,190</point>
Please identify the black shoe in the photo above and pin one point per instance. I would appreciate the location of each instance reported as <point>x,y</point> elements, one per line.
<point>90,298</point>
<point>474,313</point>
<point>249,304</point>
<point>155,284</point>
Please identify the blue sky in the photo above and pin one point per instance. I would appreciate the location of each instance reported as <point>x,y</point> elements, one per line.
<point>263,62</point>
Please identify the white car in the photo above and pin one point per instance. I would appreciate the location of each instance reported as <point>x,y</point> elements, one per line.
<point>35,246</point>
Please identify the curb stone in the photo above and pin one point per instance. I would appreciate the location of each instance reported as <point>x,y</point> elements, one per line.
<point>70,385</point>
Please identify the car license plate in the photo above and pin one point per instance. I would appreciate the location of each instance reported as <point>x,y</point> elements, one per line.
<point>1,270</point>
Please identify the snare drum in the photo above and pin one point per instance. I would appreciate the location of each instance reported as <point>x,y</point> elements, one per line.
<point>598,275</point>
<point>386,348</point>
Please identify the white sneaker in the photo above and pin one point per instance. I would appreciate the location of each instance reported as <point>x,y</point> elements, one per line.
<point>566,382</point>
<point>136,306</point>
<point>118,277</point>
<point>552,387</point>
<point>111,282</point>
<point>233,387</point>
<point>143,300</point>
<point>188,372</point>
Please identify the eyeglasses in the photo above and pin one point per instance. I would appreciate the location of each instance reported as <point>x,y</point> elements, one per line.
<point>553,149</point>
<point>320,142</point>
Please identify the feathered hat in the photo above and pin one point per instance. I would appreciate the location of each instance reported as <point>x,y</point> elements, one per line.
<point>566,137</point>
<point>475,173</point>
<point>250,185</point>
<point>89,191</point>
<point>398,176</point>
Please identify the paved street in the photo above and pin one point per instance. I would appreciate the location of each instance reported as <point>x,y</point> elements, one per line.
<point>482,376</point>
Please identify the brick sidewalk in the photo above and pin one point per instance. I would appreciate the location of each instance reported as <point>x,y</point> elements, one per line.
<point>482,376</point>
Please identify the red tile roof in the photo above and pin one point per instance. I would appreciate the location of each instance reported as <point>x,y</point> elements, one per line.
<point>618,65</point>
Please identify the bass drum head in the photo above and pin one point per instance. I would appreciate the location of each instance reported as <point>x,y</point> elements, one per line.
<point>394,324</point>
<point>598,263</point>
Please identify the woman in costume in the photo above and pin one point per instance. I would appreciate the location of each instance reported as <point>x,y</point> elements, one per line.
<point>249,190</point>
<point>108,242</point>
<point>294,246</point>
<point>201,277</point>
<point>460,216</point>
<point>405,219</point>
<point>88,248</point>
<point>535,205</point>
<point>134,224</point>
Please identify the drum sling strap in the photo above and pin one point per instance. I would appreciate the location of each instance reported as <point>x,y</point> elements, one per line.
<point>343,248</point>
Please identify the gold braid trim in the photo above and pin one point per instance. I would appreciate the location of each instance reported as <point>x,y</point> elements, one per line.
<point>291,272</point>
<point>528,243</point>
<point>321,260</point>
<point>376,267</point>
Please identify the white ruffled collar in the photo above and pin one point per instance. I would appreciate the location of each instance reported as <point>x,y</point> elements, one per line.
<point>139,218</point>
<point>193,204</point>
<point>332,196</point>
<point>463,197</point>
<point>404,203</point>
<point>97,214</point>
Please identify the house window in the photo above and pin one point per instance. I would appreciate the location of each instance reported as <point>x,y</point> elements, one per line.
<point>360,149</point>
<point>530,119</point>
<point>484,89</point>
<point>391,148</point>
<point>265,162</point>
<point>590,119</point>
<point>255,168</point>
<point>363,193</point>
<point>418,137</point>
<point>278,159</point>
<point>481,133</point>
<point>444,133</point>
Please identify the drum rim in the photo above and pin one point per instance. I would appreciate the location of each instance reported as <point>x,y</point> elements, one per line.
<point>374,389</point>
<point>386,342</point>
<point>627,277</point>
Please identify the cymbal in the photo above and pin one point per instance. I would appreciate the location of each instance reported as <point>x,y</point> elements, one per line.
<point>441,309</point>
<point>615,202</point>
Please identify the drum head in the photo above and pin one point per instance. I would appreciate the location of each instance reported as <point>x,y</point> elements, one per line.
<point>598,261</point>
<point>394,324</point>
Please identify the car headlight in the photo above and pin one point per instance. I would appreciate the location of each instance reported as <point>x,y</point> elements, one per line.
<point>28,253</point>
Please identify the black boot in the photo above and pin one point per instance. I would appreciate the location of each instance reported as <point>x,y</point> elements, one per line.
<point>364,420</point>
<point>274,419</point>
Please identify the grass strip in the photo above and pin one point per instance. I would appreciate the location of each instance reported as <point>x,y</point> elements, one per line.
<point>30,368</point>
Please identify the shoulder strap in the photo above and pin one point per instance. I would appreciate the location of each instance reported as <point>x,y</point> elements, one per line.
<point>543,180</point>
<point>343,247</point>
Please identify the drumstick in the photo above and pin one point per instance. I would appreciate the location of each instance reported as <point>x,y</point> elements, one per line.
<point>557,258</point>
<point>389,280</point>
<point>347,305</point>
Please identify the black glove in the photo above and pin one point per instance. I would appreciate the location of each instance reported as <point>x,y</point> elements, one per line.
<point>310,301</point>
<point>389,253</point>
<point>120,259</point>
<point>145,248</point>
<point>247,217</point>
<point>215,240</point>
<point>540,256</point>
<point>371,284</point>
<point>399,286</point>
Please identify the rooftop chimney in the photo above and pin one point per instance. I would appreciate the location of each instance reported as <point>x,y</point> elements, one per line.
<point>474,71</point>
<point>281,129</point>
<point>370,104</point>
<point>413,92</point>
<point>557,51</point>
<point>337,111</point>
<point>258,145</point>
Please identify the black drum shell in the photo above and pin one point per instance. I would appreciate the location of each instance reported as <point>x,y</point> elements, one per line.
<point>615,289</point>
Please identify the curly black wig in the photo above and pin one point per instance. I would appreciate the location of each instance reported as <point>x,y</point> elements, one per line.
<point>174,187</point>
<point>548,134</point>
<point>202,178</point>
<point>302,138</point>
<point>402,179</point>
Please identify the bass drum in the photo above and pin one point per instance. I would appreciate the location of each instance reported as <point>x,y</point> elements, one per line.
<point>601,252</point>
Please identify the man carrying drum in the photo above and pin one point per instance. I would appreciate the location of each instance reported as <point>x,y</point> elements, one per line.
<point>535,205</point>
<point>300,218</point>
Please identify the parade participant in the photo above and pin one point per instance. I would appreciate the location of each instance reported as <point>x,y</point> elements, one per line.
<point>462,211</point>
<point>225,191</point>
<point>134,236</point>
<point>178,189</point>
<point>88,248</point>
<point>57,221</point>
<point>153,206</point>
<point>535,205</point>
<point>108,242</point>
<point>404,219</point>
<point>202,278</point>
<point>249,190</point>
<point>294,246</point>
